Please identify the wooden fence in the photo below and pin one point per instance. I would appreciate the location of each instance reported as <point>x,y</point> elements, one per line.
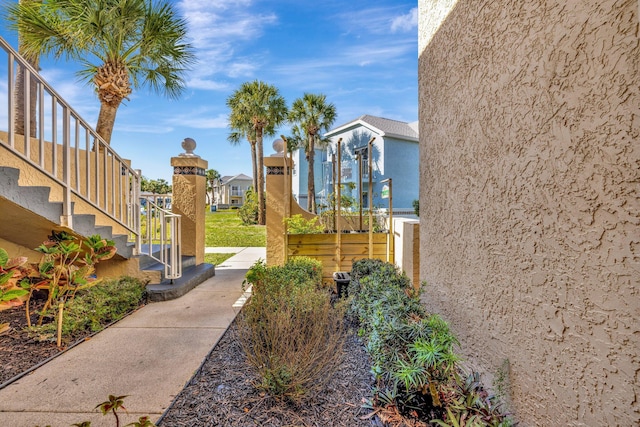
<point>325,248</point>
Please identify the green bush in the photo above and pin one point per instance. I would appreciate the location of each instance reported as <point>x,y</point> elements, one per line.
<point>289,330</point>
<point>248,213</point>
<point>299,225</point>
<point>412,351</point>
<point>94,308</point>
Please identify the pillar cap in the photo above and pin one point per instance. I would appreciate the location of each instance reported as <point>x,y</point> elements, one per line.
<point>188,145</point>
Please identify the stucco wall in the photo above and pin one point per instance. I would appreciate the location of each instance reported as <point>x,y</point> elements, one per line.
<point>530,209</point>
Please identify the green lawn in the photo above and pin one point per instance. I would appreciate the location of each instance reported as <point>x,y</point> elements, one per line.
<point>217,258</point>
<point>224,228</point>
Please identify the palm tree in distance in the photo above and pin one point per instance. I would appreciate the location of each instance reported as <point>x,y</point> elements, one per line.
<point>121,44</point>
<point>257,109</point>
<point>310,116</point>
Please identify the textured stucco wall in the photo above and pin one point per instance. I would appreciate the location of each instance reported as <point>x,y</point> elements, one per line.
<point>530,208</point>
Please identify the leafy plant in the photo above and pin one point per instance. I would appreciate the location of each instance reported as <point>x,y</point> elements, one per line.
<point>112,406</point>
<point>93,308</point>
<point>12,274</point>
<point>67,266</point>
<point>470,405</point>
<point>412,353</point>
<point>248,212</point>
<point>416,207</point>
<point>297,224</point>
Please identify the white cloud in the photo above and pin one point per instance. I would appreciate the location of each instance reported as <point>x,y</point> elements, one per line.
<point>405,23</point>
<point>206,84</point>
<point>216,29</point>
<point>325,71</point>
<point>202,118</point>
<point>154,129</point>
<point>378,20</point>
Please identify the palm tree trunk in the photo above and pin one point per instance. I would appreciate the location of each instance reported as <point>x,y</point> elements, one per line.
<point>19,102</point>
<point>311,185</point>
<point>106,120</point>
<point>19,93</point>
<point>254,161</point>
<point>261,202</point>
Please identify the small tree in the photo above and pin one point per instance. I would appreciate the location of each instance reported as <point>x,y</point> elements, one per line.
<point>155,186</point>
<point>248,212</point>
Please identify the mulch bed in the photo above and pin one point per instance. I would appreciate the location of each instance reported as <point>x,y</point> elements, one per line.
<point>18,351</point>
<point>222,393</point>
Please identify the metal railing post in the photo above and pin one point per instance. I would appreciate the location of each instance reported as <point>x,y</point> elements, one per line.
<point>66,218</point>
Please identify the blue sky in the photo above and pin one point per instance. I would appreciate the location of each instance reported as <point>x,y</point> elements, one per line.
<point>361,54</point>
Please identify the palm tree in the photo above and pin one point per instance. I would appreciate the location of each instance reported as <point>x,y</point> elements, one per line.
<point>212,176</point>
<point>122,45</point>
<point>310,116</point>
<point>257,109</point>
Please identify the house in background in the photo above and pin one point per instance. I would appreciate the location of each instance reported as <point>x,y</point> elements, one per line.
<point>229,191</point>
<point>395,155</point>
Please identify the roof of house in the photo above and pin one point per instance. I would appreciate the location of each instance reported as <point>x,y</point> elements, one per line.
<point>228,178</point>
<point>382,126</point>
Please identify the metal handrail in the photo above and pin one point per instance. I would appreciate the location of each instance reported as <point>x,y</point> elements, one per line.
<point>161,238</point>
<point>67,150</point>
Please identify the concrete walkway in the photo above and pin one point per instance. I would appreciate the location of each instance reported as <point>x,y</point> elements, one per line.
<point>148,356</point>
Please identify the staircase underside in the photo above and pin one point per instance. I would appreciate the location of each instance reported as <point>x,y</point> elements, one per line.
<point>22,226</point>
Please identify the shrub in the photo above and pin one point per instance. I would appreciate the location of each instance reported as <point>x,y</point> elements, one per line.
<point>290,332</point>
<point>248,213</point>
<point>94,308</point>
<point>412,353</point>
<point>66,267</point>
<point>299,225</point>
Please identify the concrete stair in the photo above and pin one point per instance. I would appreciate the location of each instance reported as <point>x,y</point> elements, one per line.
<point>27,217</point>
<point>35,199</point>
<point>167,289</point>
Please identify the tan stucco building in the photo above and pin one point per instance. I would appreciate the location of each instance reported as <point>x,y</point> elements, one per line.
<point>530,199</point>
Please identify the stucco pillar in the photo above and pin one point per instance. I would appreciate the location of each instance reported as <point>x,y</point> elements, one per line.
<point>278,168</point>
<point>189,199</point>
